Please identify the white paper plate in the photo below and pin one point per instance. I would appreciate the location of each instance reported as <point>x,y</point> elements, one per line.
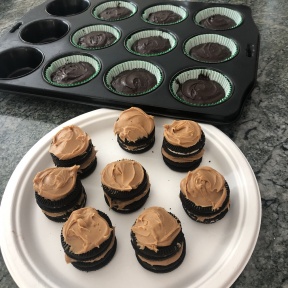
<point>216,253</point>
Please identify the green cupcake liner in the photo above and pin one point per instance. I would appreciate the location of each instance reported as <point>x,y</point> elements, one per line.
<point>234,15</point>
<point>148,33</point>
<point>193,74</point>
<point>129,65</point>
<point>100,8</point>
<point>179,10</point>
<point>88,29</point>
<point>210,38</point>
<point>71,59</point>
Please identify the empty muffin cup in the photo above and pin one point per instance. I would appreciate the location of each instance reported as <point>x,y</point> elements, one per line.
<point>72,70</point>
<point>44,31</point>
<point>67,7</point>
<point>20,61</point>
<point>218,18</point>
<point>95,37</point>
<point>134,77</point>
<point>200,87</point>
<point>165,14</point>
<point>150,42</point>
<point>114,10</point>
<point>210,48</point>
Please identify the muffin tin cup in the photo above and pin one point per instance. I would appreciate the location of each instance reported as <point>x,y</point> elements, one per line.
<point>88,29</point>
<point>100,8</point>
<point>234,15</point>
<point>194,74</point>
<point>132,38</point>
<point>71,59</point>
<point>210,38</point>
<point>67,8</point>
<point>129,65</point>
<point>178,10</point>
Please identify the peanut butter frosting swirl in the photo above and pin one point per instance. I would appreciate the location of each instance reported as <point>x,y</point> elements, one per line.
<point>134,124</point>
<point>183,133</point>
<point>85,229</point>
<point>55,183</point>
<point>205,187</point>
<point>69,142</point>
<point>122,175</point>
<point>155,227</point>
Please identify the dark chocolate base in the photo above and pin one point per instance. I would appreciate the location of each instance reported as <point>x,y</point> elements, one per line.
<point>131,207</point>
<point>140,146</point>
<point>207,220</point>
<point>89,169</point>
<point>164,269</point>
<point>64,217</point>
<point>182,167</point>
<point>96,265</point>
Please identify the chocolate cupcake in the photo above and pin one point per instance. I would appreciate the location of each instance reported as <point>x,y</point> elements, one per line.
<point>58,192</point>
<point>72,146</point>
<point>95,37</point>
<point>135,130</point>
<point>71,70</point>
<point>126,185</point>
<point>114,10</point>
<point>158,240</point>
<point>150,42</point>
<point>205,195</point>
<point>218,18</point>
<point>201,87</point>
<point>165,14</point>
<point>133,78</point>
<point>88,239</point>
<point>210,48</point>
<point>182,147</point>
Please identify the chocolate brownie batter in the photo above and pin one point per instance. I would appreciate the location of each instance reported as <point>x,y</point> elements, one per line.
<point>114,13</point>
<point>150,45</point>
<point>201,90</point>
<point>134,81</point>
<point>96,39</point>
<point>164,17</point>
<point>73,72</point>
<point>210,52</point>
<point>218,22</point>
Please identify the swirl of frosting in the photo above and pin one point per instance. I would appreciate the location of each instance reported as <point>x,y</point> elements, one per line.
<point>218,21</point>
<point>164,17</point>
<point>69,142</point>
<point>210,52</point>
<point>72,73</point>
<point>155,227</point>
<point>85,229</point>
<point>183,133</point>
<point>134,124</point>
<point>152,44</point>
<point>96,39</point>
<point>205,187</point>
<point>122,175</point>
<point>55,183</point>
<point>115,13</point>
<point>134,81</point>
<point>201,90</point>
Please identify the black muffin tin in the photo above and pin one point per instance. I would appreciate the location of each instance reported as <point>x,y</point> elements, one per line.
<point>48,22</point>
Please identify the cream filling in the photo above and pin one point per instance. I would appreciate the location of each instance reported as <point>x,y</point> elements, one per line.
<point>121,204</point>
<point>70,260</point>
<point>164,262</point>
<point>183,159</point>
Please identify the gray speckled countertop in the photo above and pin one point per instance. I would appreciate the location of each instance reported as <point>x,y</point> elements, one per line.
<point>261,133</point>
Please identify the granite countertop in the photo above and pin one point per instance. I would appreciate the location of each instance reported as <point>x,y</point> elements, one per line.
<point>261,133</point>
